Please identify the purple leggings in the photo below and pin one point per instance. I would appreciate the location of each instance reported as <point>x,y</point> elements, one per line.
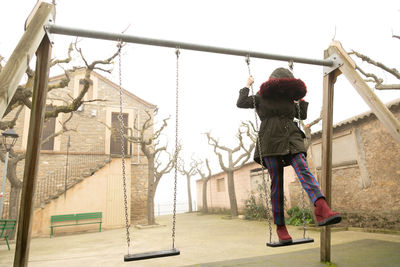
<point>275,166</point>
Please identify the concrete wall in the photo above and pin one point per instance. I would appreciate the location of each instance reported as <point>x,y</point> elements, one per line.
<point>102,192</point>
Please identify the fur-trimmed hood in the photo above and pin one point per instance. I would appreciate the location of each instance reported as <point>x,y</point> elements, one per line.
<point>295,89</point>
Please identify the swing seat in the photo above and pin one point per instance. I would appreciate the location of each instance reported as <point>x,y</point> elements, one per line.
<point>294,242</point>
<point>153,254</point>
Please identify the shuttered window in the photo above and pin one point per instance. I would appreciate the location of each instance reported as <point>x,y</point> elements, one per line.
<point>49,127</point>
<point>221,185</point>
<point>115,142</point>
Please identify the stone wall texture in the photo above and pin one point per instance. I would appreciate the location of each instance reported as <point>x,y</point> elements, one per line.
<point>378,204</point>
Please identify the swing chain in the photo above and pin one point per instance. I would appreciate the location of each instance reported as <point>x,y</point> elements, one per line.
<point>120,117</point>
<point>177,53</point>
<point>260,156</point>
<point>302,190</point>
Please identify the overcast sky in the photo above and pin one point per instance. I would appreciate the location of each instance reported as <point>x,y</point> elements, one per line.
<point>209,83</point>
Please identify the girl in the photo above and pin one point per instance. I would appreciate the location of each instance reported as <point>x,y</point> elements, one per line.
<point>278,102</point>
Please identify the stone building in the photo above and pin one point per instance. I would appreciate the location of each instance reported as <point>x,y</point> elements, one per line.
<point>81,170</point>
<point>366,171</point>
<point>365,182</point>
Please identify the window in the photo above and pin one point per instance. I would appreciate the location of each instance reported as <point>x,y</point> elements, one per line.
<point>49,126</point>
<point>344,150</point>
<point>221,185</point>
<point>115,142</point>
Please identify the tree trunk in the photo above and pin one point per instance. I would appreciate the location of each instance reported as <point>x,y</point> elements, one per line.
<point>16,186</point>
<point>232,194</point>
<point>14,201</point>
<point>150,192</point>
<point>15,193</point>
<point>189,193</point>
<point>205,208</point>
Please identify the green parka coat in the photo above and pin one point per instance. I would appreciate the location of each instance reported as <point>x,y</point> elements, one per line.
<point>279,135</point>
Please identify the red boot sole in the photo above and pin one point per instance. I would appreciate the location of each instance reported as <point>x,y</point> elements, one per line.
<point>331,220</point>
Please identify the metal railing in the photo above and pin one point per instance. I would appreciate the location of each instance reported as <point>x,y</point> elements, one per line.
<point>167,208</point>
<point>58,181</point>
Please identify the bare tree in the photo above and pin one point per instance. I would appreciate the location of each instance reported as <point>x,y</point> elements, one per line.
<point>149,144</point>
<point>371,77</point>
<point>204,178</point>
<point>232,164</point>
<point>189,173</point>
<point>22,97</point>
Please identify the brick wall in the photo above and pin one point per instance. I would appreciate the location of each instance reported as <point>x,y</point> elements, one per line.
<point>139,185</point>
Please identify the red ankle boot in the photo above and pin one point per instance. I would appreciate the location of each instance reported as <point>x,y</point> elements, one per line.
<point>324,214</point>
<point>283,234</point>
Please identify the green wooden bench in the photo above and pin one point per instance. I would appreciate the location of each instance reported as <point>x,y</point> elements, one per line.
<point>75,219</point>
<point>7,227</point>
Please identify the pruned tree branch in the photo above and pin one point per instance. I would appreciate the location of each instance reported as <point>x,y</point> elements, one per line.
<point>11,123</point>
<point>374,78</point>
<point>191,170</point>
<point>380,65</point>
<point>214,143</point>
<point>370,75</point>
<point>232,164</point>
<point>75,104</point>
<point>158,171</point>
<point>61,84</point>
<point>387,86</point>
<point>201,173</point>
<point>65,60</point>
<point>251,130</point>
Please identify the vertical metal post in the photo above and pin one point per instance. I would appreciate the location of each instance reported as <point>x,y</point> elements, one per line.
<point>66,169</point>
<point>3,184</point>
<point>43,55</point>
<point>326,175</point>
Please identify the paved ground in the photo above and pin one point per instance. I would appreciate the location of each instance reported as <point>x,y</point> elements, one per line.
<point>207,240</point>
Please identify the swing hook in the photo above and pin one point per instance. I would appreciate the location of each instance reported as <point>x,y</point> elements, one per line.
<point>177,51</point>
<point>247,59</point>
<point>120,44</point>
<point>290,63</point>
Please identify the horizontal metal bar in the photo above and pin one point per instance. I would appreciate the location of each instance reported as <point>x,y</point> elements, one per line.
<point>55,29</point>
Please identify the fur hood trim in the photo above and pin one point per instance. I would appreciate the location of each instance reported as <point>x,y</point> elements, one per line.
<point>295,89</point>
